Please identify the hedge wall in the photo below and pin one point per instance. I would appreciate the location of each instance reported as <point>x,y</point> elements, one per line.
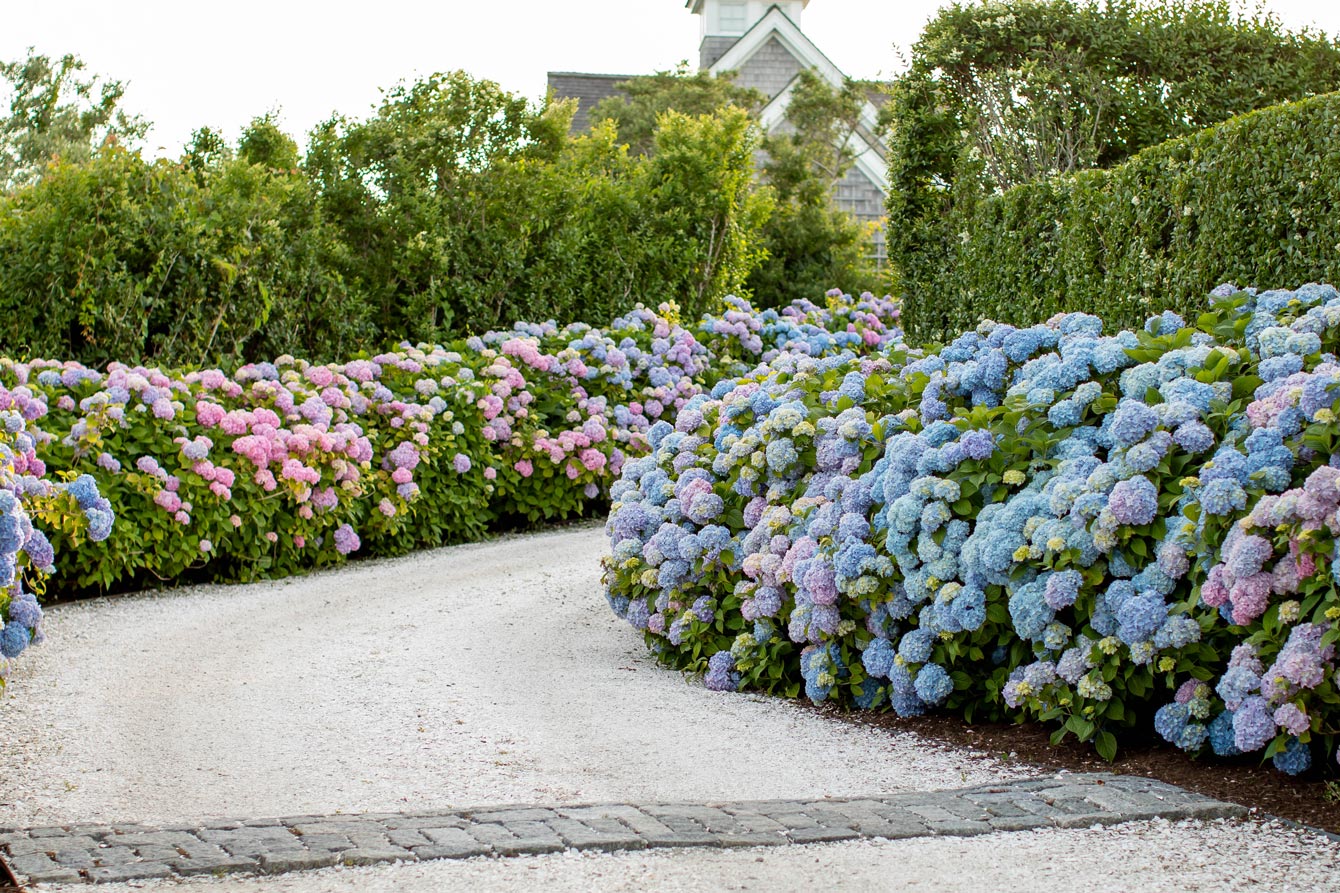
<point>1251,200</point>
<point>230,262</point>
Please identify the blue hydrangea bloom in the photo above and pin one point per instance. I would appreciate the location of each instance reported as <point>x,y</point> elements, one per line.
<point>1140,617</point>
<point>1294,759</point>
<point>13,640</point>
<point>84,489</point>
<point>1222,735</point>
<point>915,647</point>
<point>877,658</point>
<point>933,684</point>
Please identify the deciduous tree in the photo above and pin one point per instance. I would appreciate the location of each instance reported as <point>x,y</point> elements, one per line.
<point>58,111</point>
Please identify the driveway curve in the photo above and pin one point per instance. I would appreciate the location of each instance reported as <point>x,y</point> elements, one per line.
<point>480,674</point>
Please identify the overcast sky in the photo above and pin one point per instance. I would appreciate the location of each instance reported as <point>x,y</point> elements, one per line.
<point>192,63</point>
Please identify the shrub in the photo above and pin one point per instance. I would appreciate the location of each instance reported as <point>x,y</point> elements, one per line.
<point>131,260</point>
<point>452,211</point>
<point>1244,201</point>
<point>459,207</point>
<point>288,465</point>
<point>64,504</point>
<point>1003,94</point>
<point>1042,523</point>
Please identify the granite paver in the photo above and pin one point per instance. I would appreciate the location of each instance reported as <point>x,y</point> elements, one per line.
<point>91,854</point>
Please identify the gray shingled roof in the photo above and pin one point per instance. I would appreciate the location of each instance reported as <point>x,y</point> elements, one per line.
<point>587,89</point>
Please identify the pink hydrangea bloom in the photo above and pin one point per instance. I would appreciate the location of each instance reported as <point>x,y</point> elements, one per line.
<point>209,414</point>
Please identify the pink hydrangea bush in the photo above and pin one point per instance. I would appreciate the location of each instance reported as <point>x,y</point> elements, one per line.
<point>288,465</point>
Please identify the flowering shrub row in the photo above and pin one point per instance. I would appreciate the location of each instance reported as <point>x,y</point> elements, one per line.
<point>289,465</point>
<point>1046,523</point>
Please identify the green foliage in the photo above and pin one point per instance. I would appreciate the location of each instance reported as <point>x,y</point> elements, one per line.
<point>807,244</point>
<point>461,207</point>
<point>637,112</point>
<point>816,150</point>
<point>57,112</point>
<point>703,215</point>
<point>428,199</point>
<point>264,143</point>
<point>1246,201</point>
<point>1003,94</point>
<point>131,260</point>
<point>1036,87</point>
<point>456,208</point>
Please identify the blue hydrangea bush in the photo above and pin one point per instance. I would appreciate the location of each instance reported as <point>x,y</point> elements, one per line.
<point>34,504</point>
<point>1104,532</point>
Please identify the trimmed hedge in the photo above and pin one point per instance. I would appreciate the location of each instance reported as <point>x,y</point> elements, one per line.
<point>1105,533</point>
<point>1251,200</point>
<point>228,262</point>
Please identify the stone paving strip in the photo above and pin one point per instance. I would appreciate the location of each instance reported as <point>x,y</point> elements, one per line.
<point>85,853</point>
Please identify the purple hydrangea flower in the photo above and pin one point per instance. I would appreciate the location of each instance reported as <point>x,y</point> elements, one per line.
<point>721,674</point>
<point>346,540</point>
<point>1134,501</point>
<point>1253,725</point>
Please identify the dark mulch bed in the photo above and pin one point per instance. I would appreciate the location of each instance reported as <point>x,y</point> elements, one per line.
<point>1313,799</point>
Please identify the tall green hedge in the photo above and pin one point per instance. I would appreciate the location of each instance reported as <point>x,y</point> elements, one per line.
<point>124,259</point>
<point>1253,201</point>
<point>454,210</point>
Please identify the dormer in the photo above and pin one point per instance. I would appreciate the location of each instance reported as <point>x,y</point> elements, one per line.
<point>725,21</point>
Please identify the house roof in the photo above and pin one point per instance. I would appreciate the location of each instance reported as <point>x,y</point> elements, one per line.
<point>775,24</point>
<point>587,89</point>
<point>870,152</point>
<point>697,5</point>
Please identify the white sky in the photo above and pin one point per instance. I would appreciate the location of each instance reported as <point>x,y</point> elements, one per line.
<point>192,62</point>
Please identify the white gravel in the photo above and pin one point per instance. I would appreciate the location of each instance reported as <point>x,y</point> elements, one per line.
<point>1156,856</point>
<point>472,675</point>
<point>495,673</point>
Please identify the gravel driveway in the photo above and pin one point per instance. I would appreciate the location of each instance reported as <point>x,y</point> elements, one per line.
<point>1140,857</point>
<point>495,674</point>
<point>479,674</point>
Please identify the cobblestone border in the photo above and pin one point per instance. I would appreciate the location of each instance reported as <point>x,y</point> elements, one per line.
<point>87,853</point>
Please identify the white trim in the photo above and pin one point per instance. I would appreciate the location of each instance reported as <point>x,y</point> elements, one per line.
<point>775,23</point>
<point>774,112</point>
